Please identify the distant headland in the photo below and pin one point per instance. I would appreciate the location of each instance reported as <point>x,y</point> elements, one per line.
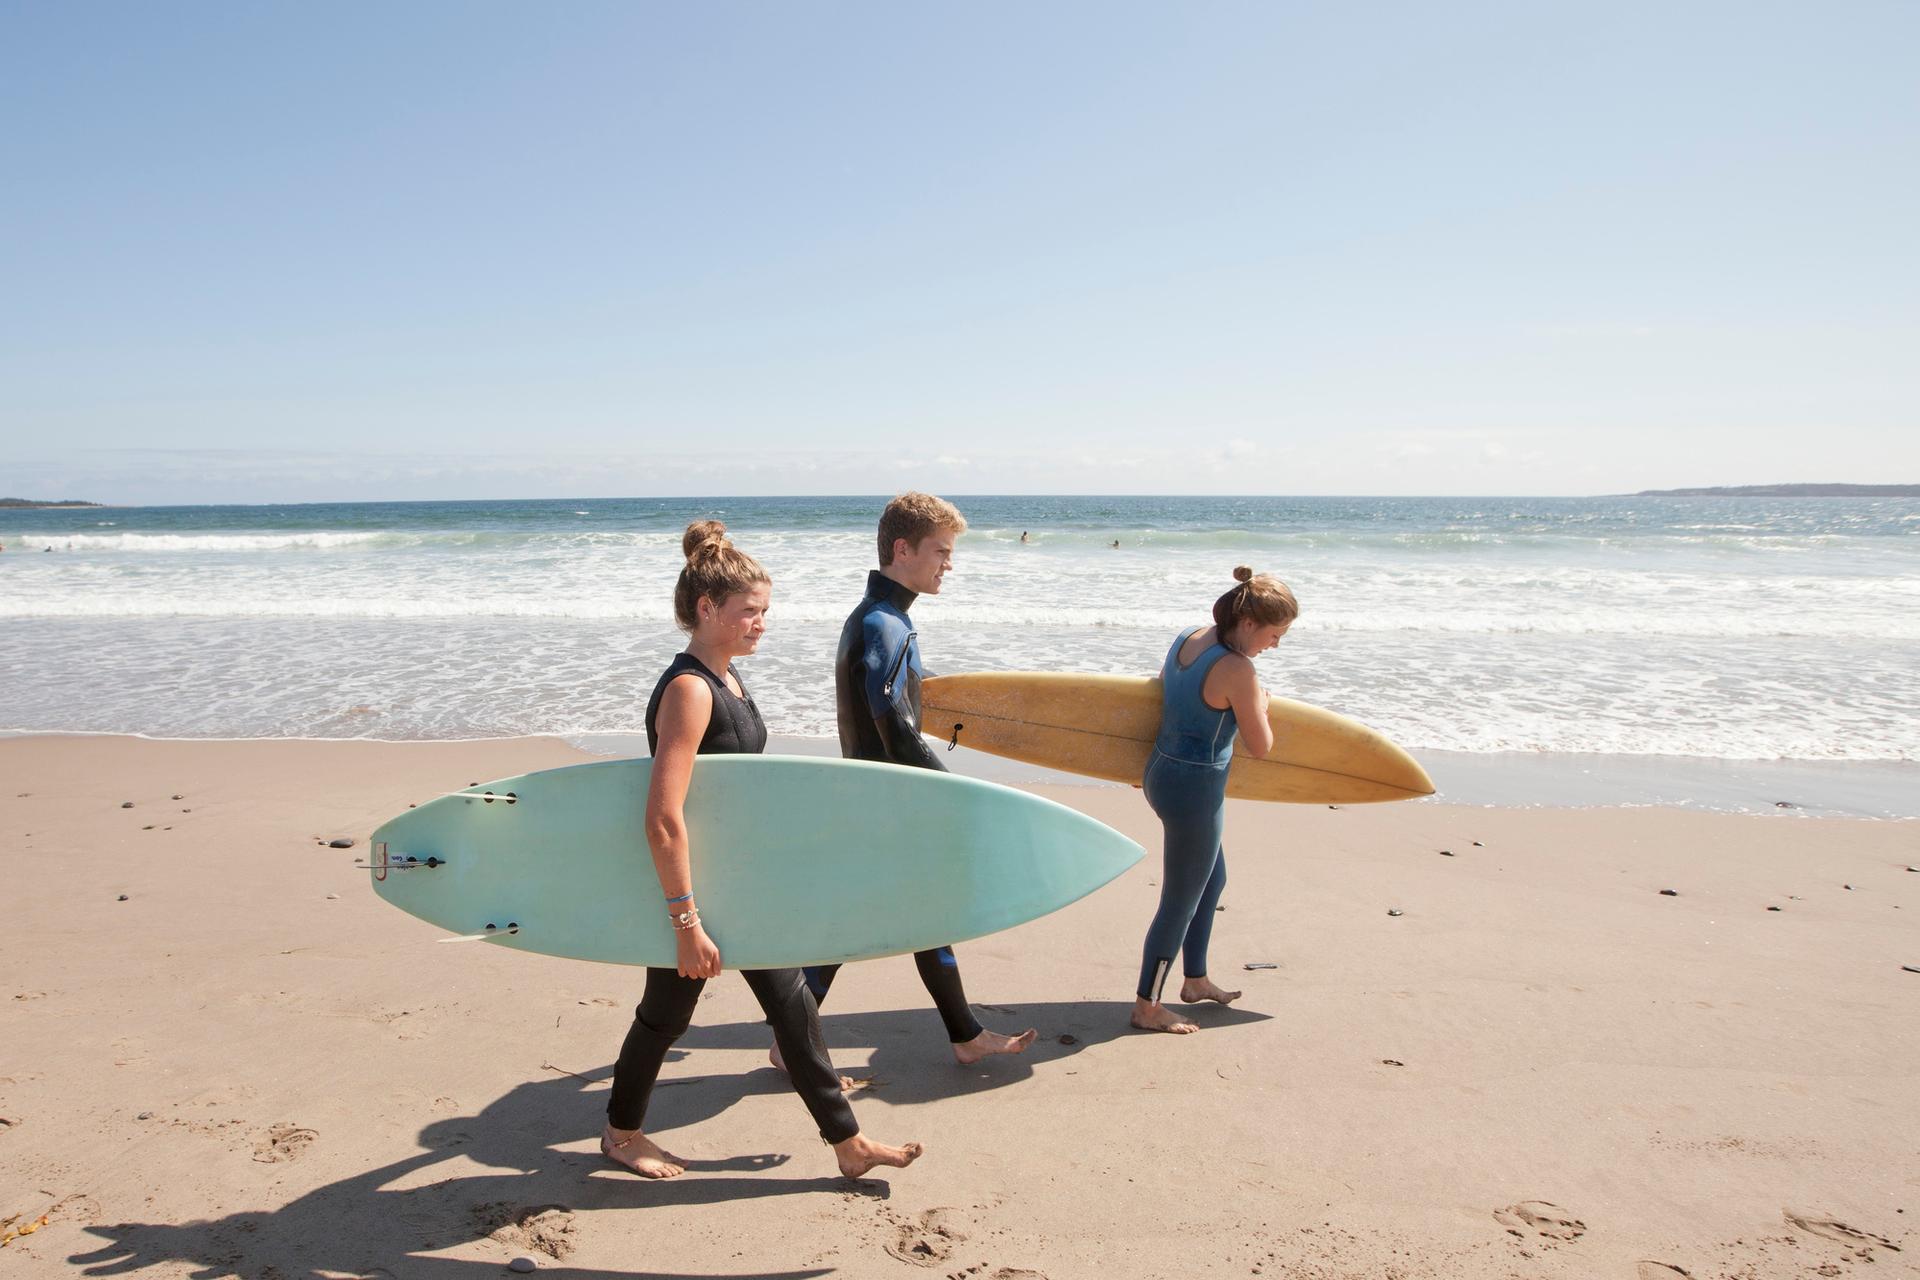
<point>1790,491</point>
<point>31,504</point>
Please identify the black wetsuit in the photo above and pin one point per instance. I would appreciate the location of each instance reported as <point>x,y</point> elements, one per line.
<point>666,1007</point>
<point>876,687</point>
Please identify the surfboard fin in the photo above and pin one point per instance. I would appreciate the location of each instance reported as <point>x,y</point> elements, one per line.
<point>380,862</point>
<point>492,931</point>
<point>506,797</point>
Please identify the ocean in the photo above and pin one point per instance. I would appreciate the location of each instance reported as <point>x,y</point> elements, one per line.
<point>1698,630</point>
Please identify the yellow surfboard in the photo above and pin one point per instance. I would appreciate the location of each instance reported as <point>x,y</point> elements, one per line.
<point>1104,727</point>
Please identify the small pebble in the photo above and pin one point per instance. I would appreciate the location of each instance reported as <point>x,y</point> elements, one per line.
<point>186,811</point>
<point>1846,886</point>
<point>1478,845</point>
<point>144,1115</point>
<point>1783,804</point>
<point>1220,908</point>
<point>1773,908</point>
<point>345,842</point>
<point>121,898</point>
<point>1067,1039</point>
<point>335,895</point>
<point>1393,911</point>
<point>1669,893</point>
<point>1446,853</point>
<point>522,1264</point>
<point>179,797</point>
<point>1392,1062</point>
<point>1910,968</point>
<point>148,827</point>
<point>126,804</point>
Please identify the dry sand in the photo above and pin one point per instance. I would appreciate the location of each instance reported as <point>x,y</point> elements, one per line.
<point>1541,1068</point>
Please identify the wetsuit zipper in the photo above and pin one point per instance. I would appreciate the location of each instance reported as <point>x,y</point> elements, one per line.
<point>886,690</point>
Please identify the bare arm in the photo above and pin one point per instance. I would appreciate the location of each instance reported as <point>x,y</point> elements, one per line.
<point>680,723</point>
<point>1240,683</point>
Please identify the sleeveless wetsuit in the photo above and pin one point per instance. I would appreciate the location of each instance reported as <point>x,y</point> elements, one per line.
<point>666,1007</point>
<point>1186,783</point>
<point>876,687</point>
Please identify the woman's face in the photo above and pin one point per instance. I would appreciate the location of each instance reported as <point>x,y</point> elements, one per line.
<point>735,624</point>
<point>1252,638</point>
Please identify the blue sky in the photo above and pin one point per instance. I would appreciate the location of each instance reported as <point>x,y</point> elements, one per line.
<point>284,252</point>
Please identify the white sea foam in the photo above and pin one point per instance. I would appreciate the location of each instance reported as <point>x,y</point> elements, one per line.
<point>1738,634</point>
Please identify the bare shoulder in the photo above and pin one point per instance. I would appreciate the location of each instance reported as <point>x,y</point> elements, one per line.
<point>686,695</point>
<point>1234,665</point>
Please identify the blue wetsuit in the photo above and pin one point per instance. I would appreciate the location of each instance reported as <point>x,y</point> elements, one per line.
<point>876,685</point>
<point>1186,783</point>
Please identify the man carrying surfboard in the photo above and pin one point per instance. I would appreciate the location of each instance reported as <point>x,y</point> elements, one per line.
<point>876,680</point>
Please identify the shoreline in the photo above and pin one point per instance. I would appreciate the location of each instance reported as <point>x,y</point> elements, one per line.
<point>1522,1058</point>
<point>1879,789</point>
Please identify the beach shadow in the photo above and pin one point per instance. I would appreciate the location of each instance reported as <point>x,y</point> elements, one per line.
<point>382,1222</point>
<point>910,1061</point>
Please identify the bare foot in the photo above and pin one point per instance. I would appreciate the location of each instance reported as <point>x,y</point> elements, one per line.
<point>640,1153</point>
<point>780,1065</point>
<point>1151,1015</point>
<point>988,1043</point>
<point>1194,990</point>
<point>859,1154</point>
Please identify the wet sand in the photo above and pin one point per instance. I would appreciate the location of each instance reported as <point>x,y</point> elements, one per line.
<point>1542,1067</point>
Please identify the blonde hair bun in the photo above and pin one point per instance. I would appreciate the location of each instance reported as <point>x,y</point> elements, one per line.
<point>1242,573</point>
<point>715,570</point>
<point>702,535</point>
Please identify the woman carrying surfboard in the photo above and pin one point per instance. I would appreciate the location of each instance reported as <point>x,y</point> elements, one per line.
<point>700,706</point>
<point>1209,690</point>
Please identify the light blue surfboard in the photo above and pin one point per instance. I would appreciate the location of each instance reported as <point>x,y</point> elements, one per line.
<point>796,860</point>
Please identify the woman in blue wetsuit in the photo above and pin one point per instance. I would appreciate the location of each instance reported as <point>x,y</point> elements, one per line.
<point>1209,691</point>
<point>701,707</point>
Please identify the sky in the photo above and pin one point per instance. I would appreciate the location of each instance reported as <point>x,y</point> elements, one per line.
<point>330,252</point>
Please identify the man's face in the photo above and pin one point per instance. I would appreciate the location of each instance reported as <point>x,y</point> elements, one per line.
<point>921,568</point>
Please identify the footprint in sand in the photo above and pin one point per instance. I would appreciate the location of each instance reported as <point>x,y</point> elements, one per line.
<point>283,1142</point>
<point>927,1240</point>
<point>1830,1229</point>
<point>1662,1271</point>
<point>1541,1217</point>
<point>547,1228</point>
<point>78,1207</point>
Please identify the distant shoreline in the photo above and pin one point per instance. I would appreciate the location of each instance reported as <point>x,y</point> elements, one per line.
<point>25,504</point>
<point>1789,491</point>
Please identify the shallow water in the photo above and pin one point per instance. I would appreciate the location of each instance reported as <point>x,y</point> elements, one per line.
<point>1709,629</point>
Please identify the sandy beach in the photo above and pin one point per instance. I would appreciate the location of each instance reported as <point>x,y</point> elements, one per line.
<point>221,1055</point>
